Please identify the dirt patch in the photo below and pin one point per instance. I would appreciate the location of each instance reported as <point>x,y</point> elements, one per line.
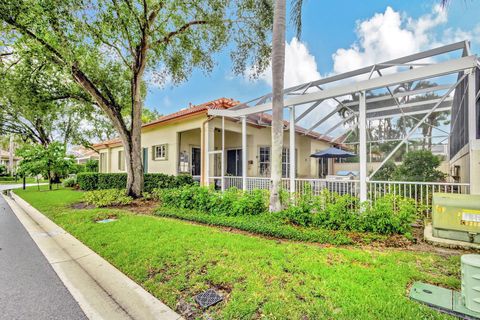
<point>140,206</point>
<point>82,205</point>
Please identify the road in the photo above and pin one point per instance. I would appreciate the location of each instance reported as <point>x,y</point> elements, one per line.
<point>29,287</point>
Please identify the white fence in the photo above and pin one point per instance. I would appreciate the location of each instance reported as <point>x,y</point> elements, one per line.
<point>422,192</point>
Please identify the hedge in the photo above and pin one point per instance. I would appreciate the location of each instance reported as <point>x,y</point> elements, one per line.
<point>99,181</point>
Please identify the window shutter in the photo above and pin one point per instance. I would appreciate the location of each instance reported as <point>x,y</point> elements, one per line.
<point>153,152</point>
<point>166,151</point>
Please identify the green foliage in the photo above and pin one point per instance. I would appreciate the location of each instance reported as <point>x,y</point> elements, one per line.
<point>326,211</point>
<point>388,215</point>
<point>50,161</point>
<point>419,165</point>
<point>69,182</point>
<point>107,197</point>
<point>232,202</point>
<point>91,165</point>
<point>97,181</point>
<point>3,170</point>
<point>111,181</point>
<point>87,181</point>
<point>386,172</point>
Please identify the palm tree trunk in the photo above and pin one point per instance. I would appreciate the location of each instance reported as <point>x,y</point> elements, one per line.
<point>278,71</point>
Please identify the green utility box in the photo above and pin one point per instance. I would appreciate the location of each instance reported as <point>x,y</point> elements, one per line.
<point>456,216</point>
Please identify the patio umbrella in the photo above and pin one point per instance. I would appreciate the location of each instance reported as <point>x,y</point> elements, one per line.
<point>332,153</point>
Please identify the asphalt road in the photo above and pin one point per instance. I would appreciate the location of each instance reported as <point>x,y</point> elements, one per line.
<point>29,287</point>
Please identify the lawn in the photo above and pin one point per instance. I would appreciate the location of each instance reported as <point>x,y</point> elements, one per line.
<point>10,180</point>
<point>261,278</point>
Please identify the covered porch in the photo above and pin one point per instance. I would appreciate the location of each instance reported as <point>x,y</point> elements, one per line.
<point>382,91</point>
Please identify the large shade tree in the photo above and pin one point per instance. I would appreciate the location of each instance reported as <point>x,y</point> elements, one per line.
<point>107,47</point>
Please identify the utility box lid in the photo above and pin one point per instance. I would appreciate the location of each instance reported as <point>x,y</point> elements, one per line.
<point>471,260</point>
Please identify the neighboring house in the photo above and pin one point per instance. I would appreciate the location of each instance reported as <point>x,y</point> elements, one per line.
<point>5,160</point>
<point>82,154</point>
<point>175,144</point>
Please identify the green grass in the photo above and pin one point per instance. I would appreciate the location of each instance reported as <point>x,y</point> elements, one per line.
<point>271,226</point>
<point>267,278</point>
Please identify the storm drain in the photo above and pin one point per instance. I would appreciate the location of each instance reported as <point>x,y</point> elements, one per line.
<point>208,298</point>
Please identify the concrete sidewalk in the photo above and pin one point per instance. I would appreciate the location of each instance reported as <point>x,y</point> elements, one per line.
<point>101,290</point>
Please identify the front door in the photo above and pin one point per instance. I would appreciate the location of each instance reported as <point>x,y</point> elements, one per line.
<point>234,162</point>
<point>196,162</point>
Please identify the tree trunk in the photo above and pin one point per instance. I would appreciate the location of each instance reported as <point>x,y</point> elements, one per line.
<point>278,71</point>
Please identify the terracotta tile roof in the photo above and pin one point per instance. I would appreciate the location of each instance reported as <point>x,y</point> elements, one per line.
<point>221,103</point>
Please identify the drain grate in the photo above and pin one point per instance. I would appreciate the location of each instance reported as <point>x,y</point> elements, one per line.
<point>208,298</point>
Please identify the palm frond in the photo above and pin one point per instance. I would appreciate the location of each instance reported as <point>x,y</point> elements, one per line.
<point>296,16</point>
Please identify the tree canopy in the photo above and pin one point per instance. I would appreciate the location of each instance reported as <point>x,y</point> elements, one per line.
<point>107,46</point>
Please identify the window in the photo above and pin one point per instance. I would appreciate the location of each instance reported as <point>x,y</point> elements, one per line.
<point>121,160</point>
<point>103,162</point>
<point>160,152</point>
<point>264,161</point>
<point>285,162</point>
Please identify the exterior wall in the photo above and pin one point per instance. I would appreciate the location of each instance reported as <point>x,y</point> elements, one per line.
<point>182,135</point>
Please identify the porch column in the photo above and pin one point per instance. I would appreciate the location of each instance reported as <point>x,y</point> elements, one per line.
<point>362,125</point>
<point>473,143</point>
<point>244,153</point>
<point>222,166</point>
<point>292,150</point>
<point>206,138</point>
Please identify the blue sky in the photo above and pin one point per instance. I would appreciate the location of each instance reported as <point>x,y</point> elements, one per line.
<point>367,31</point>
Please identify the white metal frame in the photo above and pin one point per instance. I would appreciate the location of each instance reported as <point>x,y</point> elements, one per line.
<point>314,93</point>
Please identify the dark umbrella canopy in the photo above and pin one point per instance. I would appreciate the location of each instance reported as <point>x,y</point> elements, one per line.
<point>332,153</point>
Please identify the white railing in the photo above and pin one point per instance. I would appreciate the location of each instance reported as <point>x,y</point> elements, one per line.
<point>421,192</point>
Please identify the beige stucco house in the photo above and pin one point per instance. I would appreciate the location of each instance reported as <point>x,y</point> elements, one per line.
<point>176,143</point>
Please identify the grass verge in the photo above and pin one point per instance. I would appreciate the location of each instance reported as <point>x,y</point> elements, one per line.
<point>260,278</point>
<point>268,225</point>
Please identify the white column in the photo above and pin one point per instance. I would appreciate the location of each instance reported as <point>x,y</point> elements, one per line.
<point>473,144</point>
<point>207,154</point>
<point>472,117</point>
<point>223,155</point>
<point>292,150</point>
<point>244,153</point>
<point>362,127</point>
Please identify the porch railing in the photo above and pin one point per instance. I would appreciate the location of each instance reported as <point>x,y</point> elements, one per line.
<point>421,192</point>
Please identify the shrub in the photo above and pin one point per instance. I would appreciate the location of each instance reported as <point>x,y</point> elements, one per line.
<point>388,215</point>
<point>420,165</point>
<point>98,181</point>
<point>91,165</point>
<point>232,202</point>
<point>69,182</point>
<point>87,181</point>
<point>111,181</point>
<point>108,197</point>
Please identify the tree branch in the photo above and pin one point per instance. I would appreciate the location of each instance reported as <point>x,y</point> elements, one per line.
<point>182,29</point>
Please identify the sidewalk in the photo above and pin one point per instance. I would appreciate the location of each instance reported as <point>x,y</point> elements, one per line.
<point>101,290</point>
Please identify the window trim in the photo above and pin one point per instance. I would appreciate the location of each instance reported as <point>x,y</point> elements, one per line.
<point>154,152</point>
<point>121,165</point>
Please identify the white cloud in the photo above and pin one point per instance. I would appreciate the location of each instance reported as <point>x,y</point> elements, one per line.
<point>382,37</point>
<point>300,65</point>
<point>392,34</point>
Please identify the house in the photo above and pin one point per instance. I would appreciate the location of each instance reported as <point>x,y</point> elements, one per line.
<point>82,154</point>
<point>5,160</point>
<point>176,143</point>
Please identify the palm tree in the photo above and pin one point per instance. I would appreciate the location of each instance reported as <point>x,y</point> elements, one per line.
<point>278,73</point>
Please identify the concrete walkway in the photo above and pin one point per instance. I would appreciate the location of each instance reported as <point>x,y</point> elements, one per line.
<point>29,287</point>
<point>101,290</point>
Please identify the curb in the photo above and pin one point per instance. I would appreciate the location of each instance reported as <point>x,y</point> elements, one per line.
<point>101,290</point>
